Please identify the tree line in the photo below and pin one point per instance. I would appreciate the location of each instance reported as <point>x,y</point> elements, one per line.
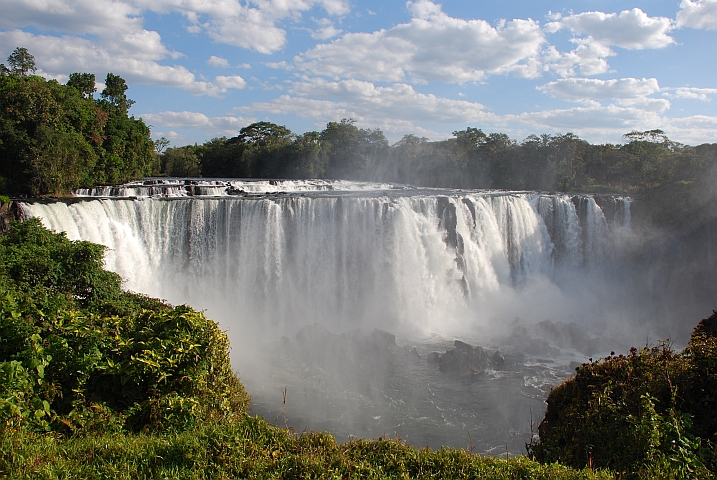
<point>470,159</point>
<point>55,137</point>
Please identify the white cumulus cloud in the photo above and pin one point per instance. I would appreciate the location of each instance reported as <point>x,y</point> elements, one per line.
<point>431,47</point>
<point>220,62</point>
<point>595,122</point>
<point>73,54</point>
<point>586,89</point>
<point>210,127</point>
<point>630,29</point>
<point>324,33</point>
<point>588,58</point>
<point>698,14</point>
<point>395,108</point>
<point>231,81</point>
<point>101,36</point>
<point>252,25</point>
<point>692,93</point>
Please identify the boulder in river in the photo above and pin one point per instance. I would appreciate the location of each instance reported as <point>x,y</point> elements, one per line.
<point>463,360</point>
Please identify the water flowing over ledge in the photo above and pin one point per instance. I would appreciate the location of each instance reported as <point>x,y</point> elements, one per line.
<point>178,187</point>
<point>342,252</point>
<point>509,271</point>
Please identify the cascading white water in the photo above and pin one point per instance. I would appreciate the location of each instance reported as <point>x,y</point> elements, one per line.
<point>418,263</point>
<point>560,218</point>
<point>344,260</point>
<point>177,187</point>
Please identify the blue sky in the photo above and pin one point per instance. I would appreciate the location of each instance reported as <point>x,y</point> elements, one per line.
<point>199,69</point>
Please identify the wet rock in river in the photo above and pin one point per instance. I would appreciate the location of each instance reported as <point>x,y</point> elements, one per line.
<point>463,360</point>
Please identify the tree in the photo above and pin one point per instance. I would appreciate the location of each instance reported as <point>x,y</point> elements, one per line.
<point>21,62</point>
<point>181,162</point>
<point>61,161</point>
<point>267,148</point>
<point>308,158</point>
<point>471,137</point>
<point>222,158</point>
<point>469,157</point>
<point>651,151</point>
<point>565,156</point>
<point>84,83</point>
<point>160,144</point>
<point>55,138</point>
<point>114,93</point>
<point>654,136</point>
<point>27,108</point>
<point>352,152</point>
<point>264,133</point>
<point>500,149</point>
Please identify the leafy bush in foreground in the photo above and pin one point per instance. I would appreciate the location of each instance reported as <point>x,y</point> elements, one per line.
<point>651,413</point>
<point>79,355</point>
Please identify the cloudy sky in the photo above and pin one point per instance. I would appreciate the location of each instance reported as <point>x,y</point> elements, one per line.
<point>205,68</point>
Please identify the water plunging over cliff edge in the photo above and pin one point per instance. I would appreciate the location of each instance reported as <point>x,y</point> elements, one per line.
<point>268,258</point>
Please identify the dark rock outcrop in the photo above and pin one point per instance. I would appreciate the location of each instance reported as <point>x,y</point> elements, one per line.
<point>8,213</point>
<point>497,359</point>
<point>463,360</point>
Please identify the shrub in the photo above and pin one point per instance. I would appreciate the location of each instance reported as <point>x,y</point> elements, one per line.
<point>67,365</point>
<point>650,411</point>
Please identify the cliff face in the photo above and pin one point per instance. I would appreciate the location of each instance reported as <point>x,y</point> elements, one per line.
<point>8,212</point>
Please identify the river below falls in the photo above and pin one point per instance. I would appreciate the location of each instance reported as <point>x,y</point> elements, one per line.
<point>355,387</point>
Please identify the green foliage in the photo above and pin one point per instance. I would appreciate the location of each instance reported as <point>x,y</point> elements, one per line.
<point>54,138</point>
<point>21,62</point>
<point>265,148</point>
<point>78,355</point>
<point>114,93</point>
<point>53,272</point>
<point>222,157</point>
<point>352,152</point>
<point>472,159</point>
<point>651,411</point>
<point>253,449</point>
<point>181,162</point>
<point>160,144</point>
<point>83,83</point>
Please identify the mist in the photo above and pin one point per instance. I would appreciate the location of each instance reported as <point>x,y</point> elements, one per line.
<point>338,294</point>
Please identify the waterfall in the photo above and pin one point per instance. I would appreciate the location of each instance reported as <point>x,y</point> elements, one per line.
<point>365,257</point>
<point>271,258</point>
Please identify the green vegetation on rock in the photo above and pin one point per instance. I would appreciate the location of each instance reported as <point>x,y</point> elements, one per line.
<point>650,414</point>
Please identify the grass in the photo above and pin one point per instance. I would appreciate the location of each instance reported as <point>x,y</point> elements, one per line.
<point>251,448</point>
